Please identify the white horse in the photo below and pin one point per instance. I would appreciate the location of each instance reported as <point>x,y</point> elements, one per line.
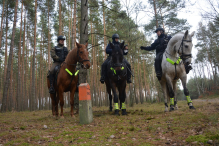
<point>177,53</point>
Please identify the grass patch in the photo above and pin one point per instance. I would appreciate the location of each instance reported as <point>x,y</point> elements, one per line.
<point>199,138</point>
<point>146,124</point>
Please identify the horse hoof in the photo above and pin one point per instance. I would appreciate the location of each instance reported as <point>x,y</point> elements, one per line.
<point>117,112</point>
<point>124,112</point>
<point>171,109</point>
<point>192,107</point>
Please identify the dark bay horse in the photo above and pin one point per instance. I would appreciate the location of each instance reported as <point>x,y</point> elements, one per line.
<point>116,78</point>
<point>67,79</point>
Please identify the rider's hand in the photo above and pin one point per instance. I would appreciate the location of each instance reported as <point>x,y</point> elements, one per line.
<point>142,48</point>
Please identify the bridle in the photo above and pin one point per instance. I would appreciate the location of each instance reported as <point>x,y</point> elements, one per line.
<point>184,56</point>
<point>81,60</point>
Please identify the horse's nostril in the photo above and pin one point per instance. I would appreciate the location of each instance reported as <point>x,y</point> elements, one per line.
<point>87,65</point>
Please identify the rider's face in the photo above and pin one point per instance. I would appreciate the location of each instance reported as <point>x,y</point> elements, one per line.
<point>158,33</point>
<point>116,39</point>
<point>61,42</point>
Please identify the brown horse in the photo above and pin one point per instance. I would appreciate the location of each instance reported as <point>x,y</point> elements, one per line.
<point>67,81</point>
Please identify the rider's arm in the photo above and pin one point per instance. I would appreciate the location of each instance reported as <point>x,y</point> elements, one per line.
<point>108,50</point>
<point>53,54</point>
<point>152,47</point>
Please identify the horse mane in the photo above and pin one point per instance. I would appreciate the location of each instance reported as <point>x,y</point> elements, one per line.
<point>72,55</point>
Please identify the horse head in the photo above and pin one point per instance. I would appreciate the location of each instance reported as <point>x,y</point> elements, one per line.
<point>117,55</point>
<point>185,50</point>
<point>82,55</point>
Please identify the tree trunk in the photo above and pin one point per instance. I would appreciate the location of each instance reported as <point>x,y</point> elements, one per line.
<point>48,37</point>
<point>60,18</point>
<point>6,46</point>
<point>22,69</point>
<point>155,12</point>
<point>7,81</point>
<point>104,31</point>
<point>74,25</point>
<point>3,5</point>
<point>19,91</point>
<point>33,65</point>
<point>83,35</point>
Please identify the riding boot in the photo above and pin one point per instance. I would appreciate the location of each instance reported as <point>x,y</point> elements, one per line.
<point>188,68</point>
<point>102,78</point>
<point>51,79</point>
<point>158,69</point>
<point>129,74</point>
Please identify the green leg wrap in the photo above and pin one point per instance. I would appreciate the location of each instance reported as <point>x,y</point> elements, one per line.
<point>171,101</point>
<point>188,99</point>
<point>123,106</point>
<point>116,106</point>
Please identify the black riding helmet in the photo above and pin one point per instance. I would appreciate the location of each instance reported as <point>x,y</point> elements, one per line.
<point>159,29</point>
<point>60,38</point>
<point>115,36</point>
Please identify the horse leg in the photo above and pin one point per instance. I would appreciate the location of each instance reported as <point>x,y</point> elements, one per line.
<point>56,105</point>
<point>72,94</point>
<point>186,92</point>
<point>61,102</point>
<point>171,93</point>
<point>113,85</point>
<point>175,98</point>
<point>165,90</point>
<point>122,97</point>
<point>110,96</point>
<point>53,104</point>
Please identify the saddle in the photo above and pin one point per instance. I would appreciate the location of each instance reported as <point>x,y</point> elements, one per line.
<point>56,70</point>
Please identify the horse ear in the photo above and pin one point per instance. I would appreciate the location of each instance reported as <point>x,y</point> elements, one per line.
<point>86,44</point>
<point>78,45</point>
<point>122,45</point>
<point>192,34</point>
<point>186,34</point>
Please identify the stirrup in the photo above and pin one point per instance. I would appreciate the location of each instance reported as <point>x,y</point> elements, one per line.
<point>188,68</point>
<point>102,80</point>
<point>52,90</point>
<point>158,75</point>
<point>129,81</point>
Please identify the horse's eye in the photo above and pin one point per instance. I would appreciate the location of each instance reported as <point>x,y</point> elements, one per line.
<point>186,46</point>
<point>81,52</point>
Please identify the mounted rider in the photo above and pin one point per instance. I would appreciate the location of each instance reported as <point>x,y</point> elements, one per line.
<point>160,44</point>
<point>115,39</point>
<point>58,54</point>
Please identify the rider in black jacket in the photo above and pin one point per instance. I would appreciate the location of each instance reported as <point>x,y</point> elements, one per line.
<point>160,45</point>
<point>115,39</point>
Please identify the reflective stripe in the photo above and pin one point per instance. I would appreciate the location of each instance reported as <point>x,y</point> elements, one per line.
<point>68,72</point>
<point>116,106</point>
<point>122,68</point>
<point>172,62</point>
<point>76,73</point>
<point>123,106</point>
<point>189,99</point>
<point>171,101</point>
<point>113,70</point>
